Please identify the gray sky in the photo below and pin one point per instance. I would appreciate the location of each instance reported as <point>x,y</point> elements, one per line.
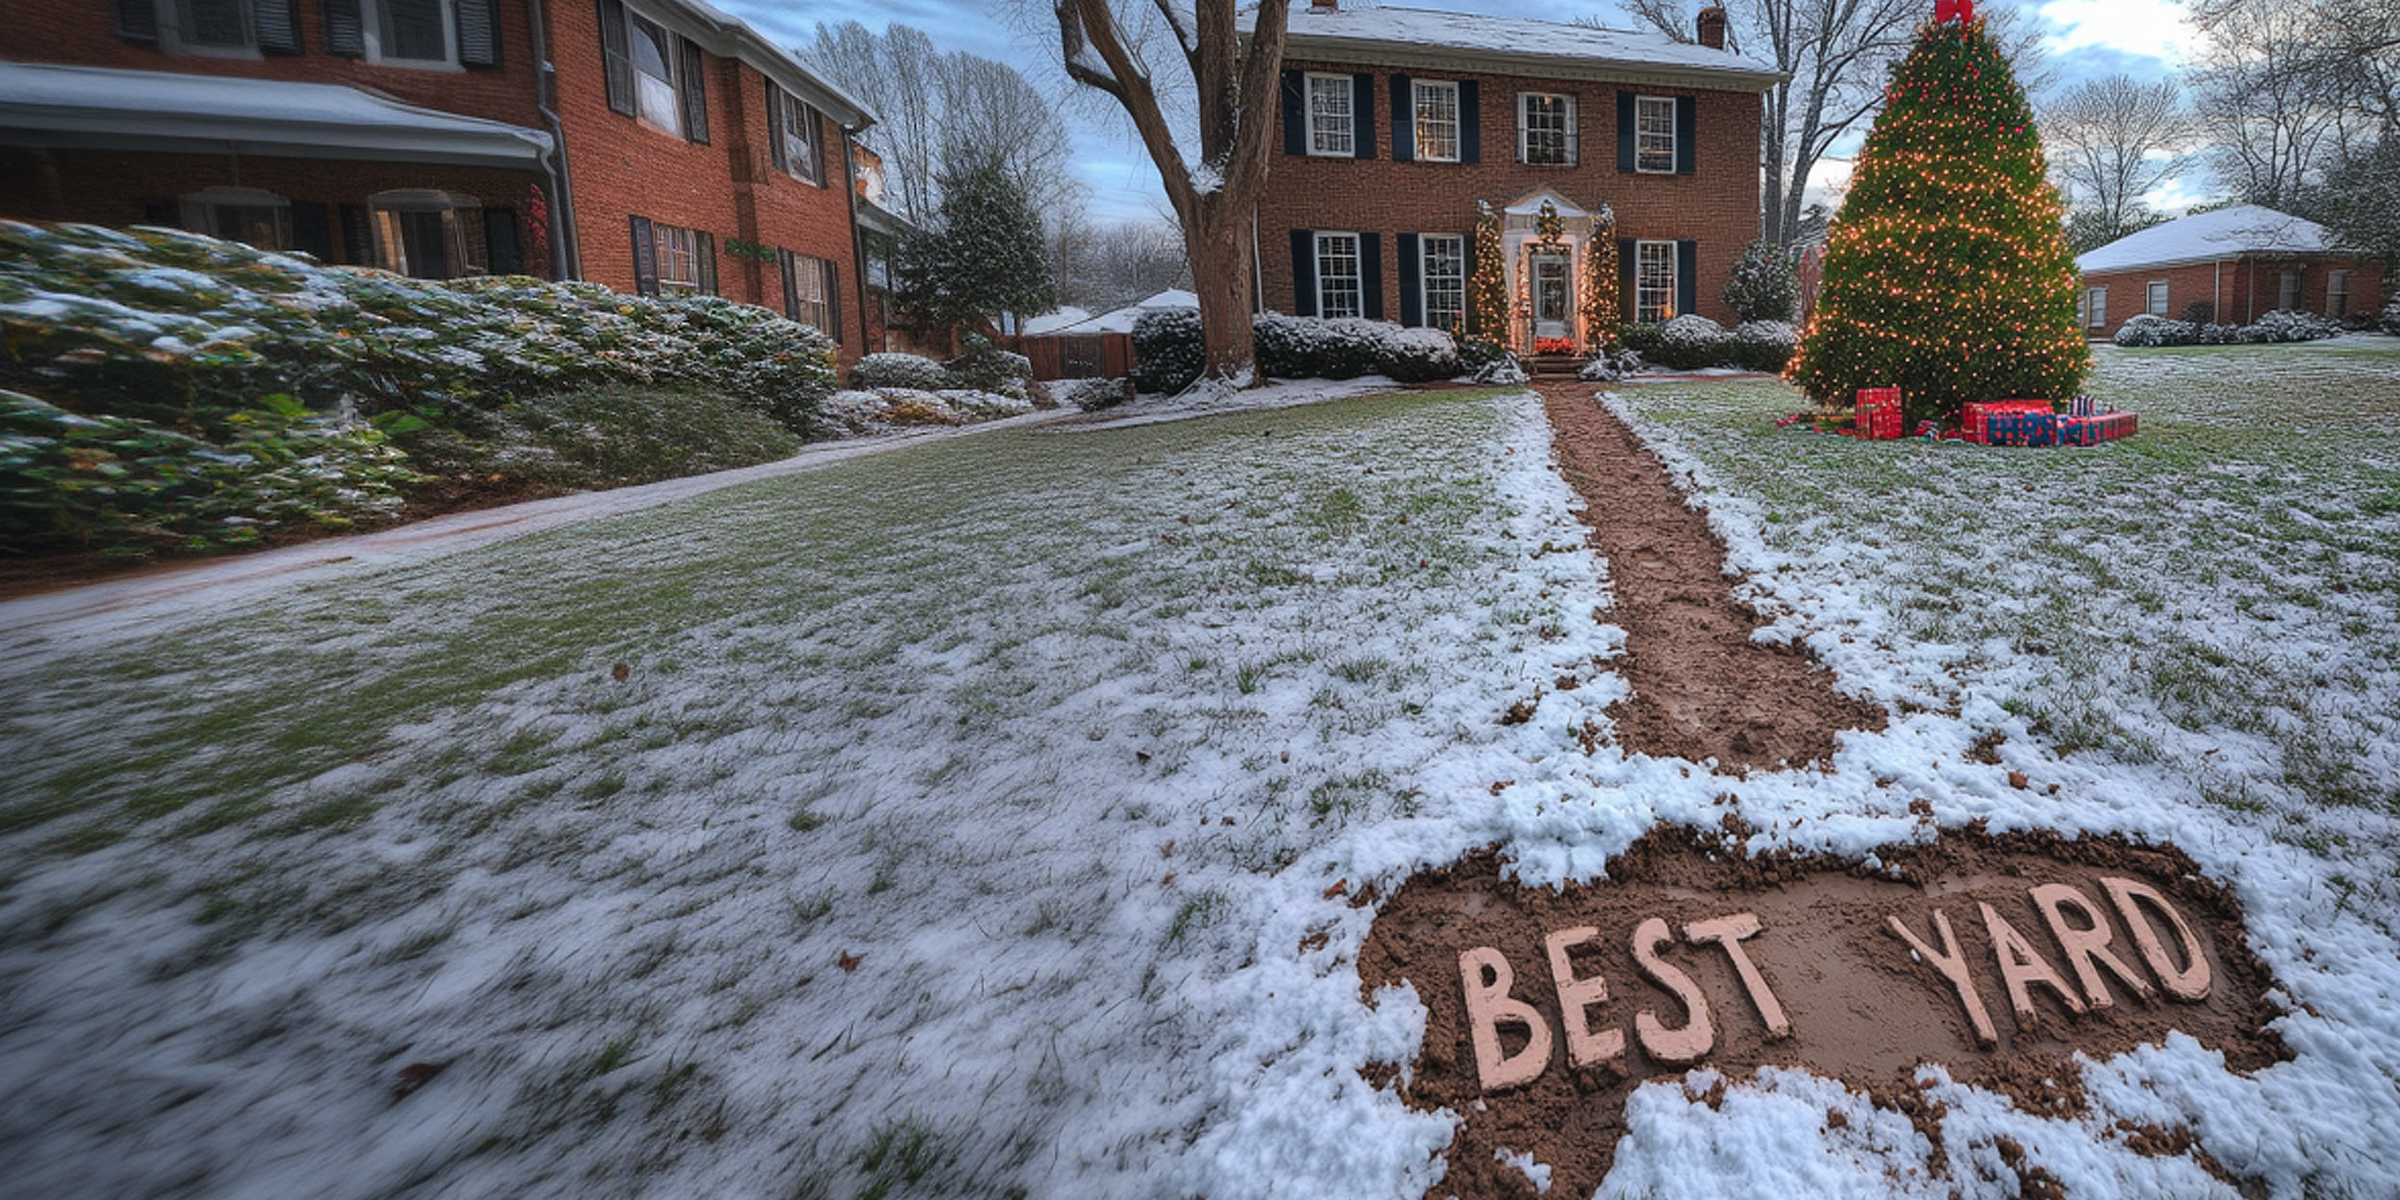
<point>2085,38</point>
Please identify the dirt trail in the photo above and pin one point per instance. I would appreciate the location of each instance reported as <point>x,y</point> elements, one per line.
<point>1701,688</point>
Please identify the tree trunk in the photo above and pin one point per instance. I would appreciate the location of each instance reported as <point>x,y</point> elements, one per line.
<point>1222,258</point>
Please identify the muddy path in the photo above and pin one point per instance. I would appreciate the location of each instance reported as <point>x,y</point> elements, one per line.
<point>1701,688</point>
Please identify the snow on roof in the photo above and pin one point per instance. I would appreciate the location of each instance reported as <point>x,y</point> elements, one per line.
<point>1416,36</point>
<point>1052,322</point>
<point>100,107</point>
<point>1116,320</point>
<point>2225,233</point>
<point>744,41</point>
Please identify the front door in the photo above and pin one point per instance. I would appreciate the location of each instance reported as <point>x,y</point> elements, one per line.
<point>1552,313</point>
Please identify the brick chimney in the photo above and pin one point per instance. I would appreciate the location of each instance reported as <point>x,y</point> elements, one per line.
<point>1712,27</point>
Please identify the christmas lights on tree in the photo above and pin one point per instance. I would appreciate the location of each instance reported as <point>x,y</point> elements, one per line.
<point>1947,272</point>
<point>1487,288</point>
<point>1601,320</point>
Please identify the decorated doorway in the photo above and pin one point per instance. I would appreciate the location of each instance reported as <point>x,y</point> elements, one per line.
<point>1553,308</point>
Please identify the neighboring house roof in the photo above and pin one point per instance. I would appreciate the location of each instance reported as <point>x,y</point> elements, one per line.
<point>108,108</point>
<point>1114,321</point>
<point>1413,37</point>
<point>1052,322</point>
<point>731,37</point>
<point>2209,237</point>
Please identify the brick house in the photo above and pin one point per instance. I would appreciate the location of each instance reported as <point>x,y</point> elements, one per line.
<point>650,145</point>
<point>1398,122</point>
<point>2230,266</point>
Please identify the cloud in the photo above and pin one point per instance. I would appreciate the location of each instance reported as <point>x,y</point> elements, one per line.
<point>2152,28</point>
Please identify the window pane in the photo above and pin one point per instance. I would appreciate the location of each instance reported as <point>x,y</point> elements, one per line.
<point>1337,275</point>
<point>678,253</point>
<point>1445,275</point>
<point>415,29</point>
<point>216,22</point>
<point>1330,129</point>
<point>1654,133</point>
<point>799,149</point>
<point>1549,130</point>
<point>1437,122</point>
<point>2158,299</point>
<point>653,77</point>
<point>1654,282</point>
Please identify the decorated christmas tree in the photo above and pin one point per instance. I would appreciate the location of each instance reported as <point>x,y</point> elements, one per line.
<point>1601,320</point>
<point>1947,272</point>
<point>1487,288</point>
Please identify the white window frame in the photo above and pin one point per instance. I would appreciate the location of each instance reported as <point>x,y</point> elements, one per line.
<point>814,301</point>
<point>171,25</point>
<point>2287,294</point>
<point>2095,302</point>
<point>1425,99</point>
<point>1324,140</point>
<point>2337,294</point>
<point>1646,283</point>
<point>798,129</point>
<point>374,14</point>
<point>1569,152</point>
<point>674,244</point>
<point>200,212</point>
<point>1329,249</point>
<point>1449,287</point>
<point>2156,296</point>
<point>645,83</point>
<point>1650,139</point>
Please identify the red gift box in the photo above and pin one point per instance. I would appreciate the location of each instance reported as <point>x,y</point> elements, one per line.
<point>1879,413</point>
<point>1977,414</point>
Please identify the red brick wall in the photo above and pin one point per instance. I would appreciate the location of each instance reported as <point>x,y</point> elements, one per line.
<point>2238,291</point>
<point>1716,205</point>
<point>83,33</point>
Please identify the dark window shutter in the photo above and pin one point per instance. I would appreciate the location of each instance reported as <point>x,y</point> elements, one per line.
<point>358,237</point>
<point>1470,121</point>
<point>479,33</point>
<point>833,300</point>
<point>504,255</point>
<point>1627,298</point>
<point>708,262</point>
<point>775,120</point>
<point>1304,272</point>
<point>277,24</point>
<point>1687,276</point>
<point>345,29</point>
<point>1412,276</point>
<point>137,20</point>
<point>312,230</point>
<point>691,80</point>
<point>790,268</point>
<point>1404,119</point>
<point>1362,110</point>
<point>616,56</point>
<point>1625,132</point>
<point>645,258</point>
<point>1295,112</point>
<point>1687,130</point>
<point>1370,273</point>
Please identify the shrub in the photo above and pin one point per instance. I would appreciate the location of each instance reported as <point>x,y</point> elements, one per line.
<point>2286,325</point>
<point>1477,358</point>
<point>1091,395</point>
<point>2145,329</point>
<point>1419,355</point>
<point>1167,350</point>
<point>909,406</point>
<point>1766,283</point>
<point>601,437</point>
<point>893,370</point>
<point>2391,316</point>
<point>1319,348</point>
<point>976,404</point>
<point>988,368</point>
<point>1761,346</point>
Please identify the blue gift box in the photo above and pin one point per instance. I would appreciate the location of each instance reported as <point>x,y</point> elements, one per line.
<point>2021,429</point>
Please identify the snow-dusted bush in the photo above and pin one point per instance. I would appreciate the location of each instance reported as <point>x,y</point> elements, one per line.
<point>2391,316</point>
<point>1167,351</point>
<point>979,405</point>
<point>2220,335</point>
<point>1319,348</point>
<point>1761,345</point>
<point>2145,329</point>
<point>1420,355</point>
<point>1766,283</point>
<point>2287,325</point>
<point>1609,368</point>
<point>988,368</point>
<point>894,370</point>
<point>915,406</point>
<point>1091,394</point>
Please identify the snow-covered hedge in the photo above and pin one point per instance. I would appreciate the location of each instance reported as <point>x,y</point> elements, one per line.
<point>1169,354</point>
<point>895,370</point>
<point>2286,325</point>
<point>878,410</point>
<point>1692,342</point>
<point>987,368</point>
<point>2391,317</point>
<point>2146,329</point>
<point>1091,394</point>
<point>2282,325</point>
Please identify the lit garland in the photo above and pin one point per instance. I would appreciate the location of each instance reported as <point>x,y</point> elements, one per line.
<point>1487,288</point>
<point>1947,271</point>
<point>1599,300</point>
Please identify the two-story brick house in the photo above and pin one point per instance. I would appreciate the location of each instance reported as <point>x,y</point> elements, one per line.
<point>651,145</point>
<point>1397,123</point>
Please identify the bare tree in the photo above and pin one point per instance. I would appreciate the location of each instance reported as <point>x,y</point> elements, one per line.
<point>991,116</point>
<point>1234,84</point>
<point>2112,140</point>
<point>2271,99</point>
<point>1105,267</point>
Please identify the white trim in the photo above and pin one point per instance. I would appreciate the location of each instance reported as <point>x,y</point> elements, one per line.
<point>2157,299</point>
<point>1674,151</point>
<point>1572,144</point>
<point>1308,113</point>
<point>1674,277</point>
<point>1425,243</point>
<point>1358,254</point>
<point>1458,120</point>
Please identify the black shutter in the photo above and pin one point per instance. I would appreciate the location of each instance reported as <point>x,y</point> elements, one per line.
<point>1687,130</point>
<point>1295,112</point>
<point>616,56</point>
<point>1404,120</point>
<point>1412,277</point>
<point>775,119</point>
<point>312,230</point>
<point>1362,112</point>
<point>1624,131</point>
<point>1687,276</point>
<point>1370,273</point>
<point>1628,298</point>
<point>1470,121</point>
<point>502,253</point>
<point>358,237</point>
<point>137,20</point>
<point>479,33</point>
<point>277,24</point>
<point>790,268</point>
<point>833,300</point>
<point>1304,272</point>
<point>645,258</point>
<point>691,81</point>
<point>707,254</point>
<point>345,29</point>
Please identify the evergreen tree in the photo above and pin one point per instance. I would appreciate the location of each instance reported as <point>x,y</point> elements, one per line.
<point>1487,288</point>
<point>1602,318</point>
<point>990,255</point>
<point>1947,272</point>
<point>1765,284</point>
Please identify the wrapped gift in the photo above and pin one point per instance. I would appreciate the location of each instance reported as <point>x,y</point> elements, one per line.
<point>2021,429</point>
<point>1879,413</point>
<point>1976,416</point>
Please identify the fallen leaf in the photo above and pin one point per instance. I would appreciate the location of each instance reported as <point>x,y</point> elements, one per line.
<point>2016,779</point>
<point>1502,785</point>
<point>620,671</point>
<point>416,1075</point>
<point>848,961</point>
<point>1339,886</point>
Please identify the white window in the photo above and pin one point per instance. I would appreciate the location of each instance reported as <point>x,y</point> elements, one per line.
<point>261,219</point>
<point>2158,297</point>
<point>1435,115</point>
<point>2337,293</point>
<point>1654,134</point>
<point>1654,282</point>
<point>2095,308</point>
<point>2288,296</point>
<point>1332,127</point>
<point>808,291</point>
<point>1546,129</point>
<point>792,136</point>
<point>678,253</point>
<point>655,94</point>
<point>412,31</point>
<point>1339,284</point>
<point>223,24</point>
<point>1443,274</point>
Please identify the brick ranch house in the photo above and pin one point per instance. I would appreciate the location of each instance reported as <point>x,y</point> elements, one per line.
<point>1398,122</point>
<point>649,145</point>
<point>2231,267</point>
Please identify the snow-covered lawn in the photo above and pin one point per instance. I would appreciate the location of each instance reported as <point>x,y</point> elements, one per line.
<point>965,820</point>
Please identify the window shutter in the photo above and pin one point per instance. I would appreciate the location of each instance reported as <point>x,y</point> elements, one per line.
<point>312,230</point>
<point>479,33</point>
<point>1412,279</point>
<point>790,269</point>
<point>1362,110</point>
<point>1625,132</point>
<point>616,56</point>
<point>345,29</point>
<point>137,20</point>
<point>503,254</point>
<point>776,150</point>
<point>645,258</point>
<point>1304,272</point>
<point>358,237</point>
<point>1687,128</point>
<point>1470,121</point>
<point>833,300</point>
<point>1404,119</point>
<point>277,25</point>
<point>1370,273</point>
<point>1295,113</point>
<point>691,81</point>
<point>708,262</point>
<point>1628,299</point>
<point>1687,276</point>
